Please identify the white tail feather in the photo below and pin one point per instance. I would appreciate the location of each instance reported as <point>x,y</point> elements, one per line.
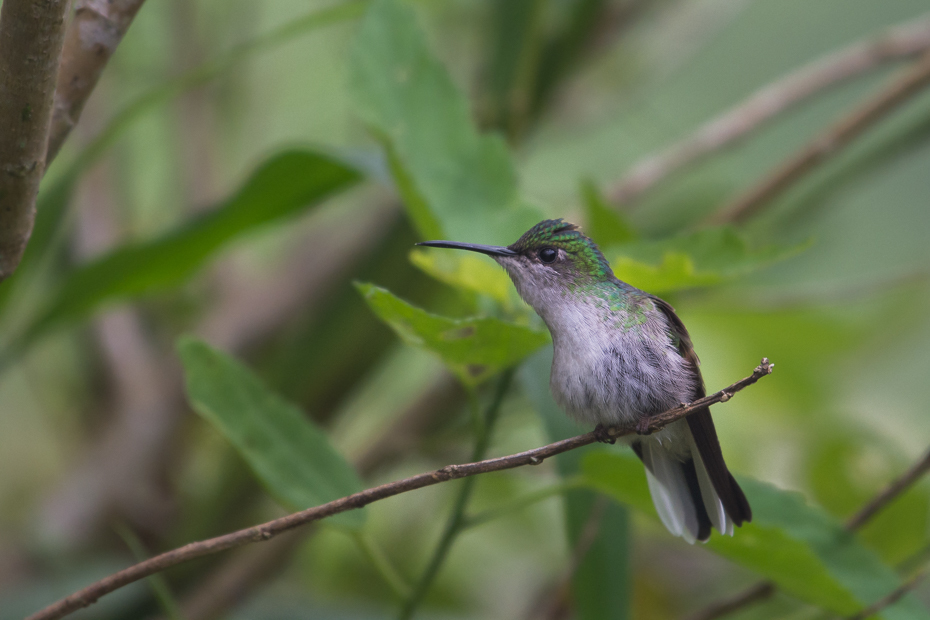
<point>669,489</point>
<point>712,503</point>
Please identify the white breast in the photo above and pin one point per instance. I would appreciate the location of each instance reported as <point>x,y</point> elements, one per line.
<point>608,369</point>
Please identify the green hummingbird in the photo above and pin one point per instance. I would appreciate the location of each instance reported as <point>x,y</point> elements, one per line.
<point>621,355</point>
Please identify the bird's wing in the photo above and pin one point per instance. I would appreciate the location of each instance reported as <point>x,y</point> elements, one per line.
<point>702,426</point>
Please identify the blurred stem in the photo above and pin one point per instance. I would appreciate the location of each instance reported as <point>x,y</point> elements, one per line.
<point>726,129</point>
<point>196,77</point>
<point>763,590</point>
<point>889,494</point>
<point>208,71</point>
<point>828,143</point>
<point>157,582</point>
<point>520,503</point>
<point>521,101</point>
<point>892,598</point>
<point>382,564</point>
<point>915,560</point>
<point>478,424</point>
<point>456,522</point>
<point>52,200</point>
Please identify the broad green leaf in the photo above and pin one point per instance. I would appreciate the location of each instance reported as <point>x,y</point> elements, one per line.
<point>602,584</point>
<point>690,260</point>
<point>54,196</point>
<point>471,272</point>
<point>799,547</point>
<point>457,183</point>
<point>285,185</point>
<point>605,225</point>
<point>675,271</point>
<point>291,456</point>
<point>473,348</point>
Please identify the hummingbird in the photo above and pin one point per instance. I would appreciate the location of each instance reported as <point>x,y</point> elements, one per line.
<point>621,355</point>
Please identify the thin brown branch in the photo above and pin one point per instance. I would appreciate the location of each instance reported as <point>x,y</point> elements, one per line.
<point>31,34</point>
<point>892,598</point>
<point>889,494</point>
<point>753,594</point>
<point>92,37</point>
<point>765,589</point>
<point>255,565</point>
<point>829,143</point>
<point>269,530</point>
<point>904,41</point>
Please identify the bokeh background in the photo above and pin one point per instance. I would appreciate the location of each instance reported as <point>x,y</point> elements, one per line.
<point>103,460</point>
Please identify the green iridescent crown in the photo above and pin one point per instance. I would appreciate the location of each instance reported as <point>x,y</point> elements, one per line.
<point>565,236</point>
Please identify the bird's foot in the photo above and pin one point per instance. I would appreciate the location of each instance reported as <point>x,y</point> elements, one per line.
<point>600,432</point>
<point>643,427</point>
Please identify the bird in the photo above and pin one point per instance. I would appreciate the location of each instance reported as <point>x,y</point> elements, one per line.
<point>620,356</point>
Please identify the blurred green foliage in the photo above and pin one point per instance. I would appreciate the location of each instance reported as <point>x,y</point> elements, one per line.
<point>285,185</point>
<point>288,453</point>
<point>799,548</point>
<point>473,348</point>
<point>324,340</point>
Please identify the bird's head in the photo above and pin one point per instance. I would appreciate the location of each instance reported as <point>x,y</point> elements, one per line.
<point>551,258</point>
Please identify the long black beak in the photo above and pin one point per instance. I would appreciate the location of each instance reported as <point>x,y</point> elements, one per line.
<point>490,250</point>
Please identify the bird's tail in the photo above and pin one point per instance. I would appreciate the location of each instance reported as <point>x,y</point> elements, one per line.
<point>691,488</point>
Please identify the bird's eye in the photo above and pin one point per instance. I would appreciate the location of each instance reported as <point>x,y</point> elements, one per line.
<point>548,255</point>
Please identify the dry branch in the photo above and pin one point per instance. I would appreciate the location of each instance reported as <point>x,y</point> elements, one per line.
<point>889,494</point>
<point>765,589</point>
<point>829,142</point>
<point>754,593</point>
<point>92,37</point>
<point>31,33</point>
<point>904,41</point>
<point>269,530</point>
<point>891,599</point>
<point>253,566</point>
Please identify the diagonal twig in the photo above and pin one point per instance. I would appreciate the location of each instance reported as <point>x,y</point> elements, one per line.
<point>764,589</point>
<point>255,565</point>
<point>269,530</point>
<point>903,41</point>
<point>828,143</point>
<point>892,598</point>
<point>90,40</point>
<point>755,593</point>
<point>890,492</point>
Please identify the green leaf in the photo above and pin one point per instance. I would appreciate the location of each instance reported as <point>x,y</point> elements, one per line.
<point>291,456</point>
<point>799,547</point>
<point>675,271</point>
<point>283,186</point>
<point>472,348</point>
<point>467,271</point>
<point>605,225</point>
<point>456,183</point>
<point>691,260</point>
